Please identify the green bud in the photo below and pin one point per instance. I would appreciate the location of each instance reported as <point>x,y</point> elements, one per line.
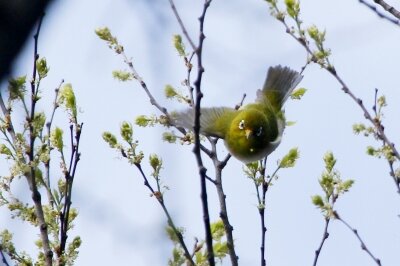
<point>358,128</point>
<point>371,151</point>
<point>41,66</point>
<point>220,249</point>
<point>169,137</point>
<point>142,121</point>
<point>122,75</point>
<point>177,39</point>
<point>5,150</point>
<point>104,34</point>
<point>170,92</point>
<point>38,123</point>
<point>253,166</point>
<point>56,138</point>
<point>382,101</point>
<point>289,160</point>
<point>290,123</point>
<point>292,8</point>
<point>318,201</point>
<point>126,131</point>
<point>137,159</point>
<point>110,139</point>
<point>388,153</point>
<point>330,161</point>
<point>346,185</point>
<point>16,87</point>
<point>155,161</point>
<point>298,94</point>
<point>76,242</point>
<point>172,235</point>
<point>67,99</point>
<point>314,33</point>
<point>217,230</point>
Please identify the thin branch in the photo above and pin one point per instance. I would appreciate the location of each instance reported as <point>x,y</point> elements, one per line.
<point>47,163</point>
<point>69,179</point>
<point>240,104</point>
<point>261,208</point>
<point>3,258</point>
<point>379,13</point>
<point>188,63</point>
<point>31,176</point>
<point>160,200</point>
<point>388,8</point>
<point>178,18</point>
<point>7,117</point>
<point>363,245</point>
<point>196,131</point>
<point>325,236</point>
<point>218,167</point>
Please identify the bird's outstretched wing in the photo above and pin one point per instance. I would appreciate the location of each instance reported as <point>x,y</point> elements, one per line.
<point>214,121</point>
<point>279,84</point>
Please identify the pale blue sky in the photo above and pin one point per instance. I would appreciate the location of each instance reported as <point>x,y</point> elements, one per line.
<point>121,225</point>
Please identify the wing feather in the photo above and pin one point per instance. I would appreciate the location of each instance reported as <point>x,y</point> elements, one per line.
<point>214,121</point>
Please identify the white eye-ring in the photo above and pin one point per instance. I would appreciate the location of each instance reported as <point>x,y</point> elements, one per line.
<point>259,131</point>
<point>241,124</point>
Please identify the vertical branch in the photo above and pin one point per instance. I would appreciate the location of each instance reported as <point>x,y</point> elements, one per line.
<point>47,163</point>
<point>325,236</point>
<point>265,183</point>
<point>219,166</point>
<point>69,179</point>
<point>196,130</point>
<point>31,176</point>
<point>3,258</point>
<point>261,210</point>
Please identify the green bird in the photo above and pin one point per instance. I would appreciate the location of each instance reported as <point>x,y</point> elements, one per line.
<point>255,130</point>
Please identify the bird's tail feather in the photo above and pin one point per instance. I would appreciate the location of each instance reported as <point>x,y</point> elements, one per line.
<point>279,84</point>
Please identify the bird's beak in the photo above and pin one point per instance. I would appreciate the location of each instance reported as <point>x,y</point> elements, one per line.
<point>248,132</point>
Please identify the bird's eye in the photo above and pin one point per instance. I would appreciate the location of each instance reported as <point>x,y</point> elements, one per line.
<point>259,131</point>
<point>241,124</point>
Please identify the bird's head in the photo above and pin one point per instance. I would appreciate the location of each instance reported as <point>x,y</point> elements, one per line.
<point>250,133</point>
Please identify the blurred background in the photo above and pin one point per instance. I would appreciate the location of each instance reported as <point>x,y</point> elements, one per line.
<point>120,224</point>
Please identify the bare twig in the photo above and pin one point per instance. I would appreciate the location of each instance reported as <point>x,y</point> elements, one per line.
<point>196,131</point>
<point>240,104</point>
<point>379,13</point>
<point>3,258</point>
<point>69,175</point>
<point>188,63</point>
<point>178,18</point>
<point>261,209</point>
<point>265,184</point>
<point>31,176</point>
<point>160,200</point>
<point>218,167</point>
<point>7,117</point>
<point>325,236</point>
<point>363,245</point>
<point>388,8</point>
<point>47,163</point>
